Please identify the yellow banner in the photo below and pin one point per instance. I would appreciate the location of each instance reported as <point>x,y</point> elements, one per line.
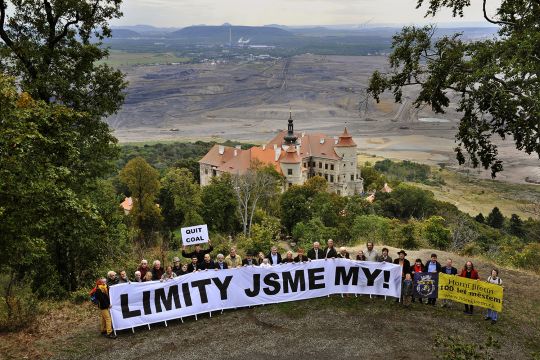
<point>472,292</point>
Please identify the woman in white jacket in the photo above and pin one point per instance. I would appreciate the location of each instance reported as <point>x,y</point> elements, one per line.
<point>493,279</point>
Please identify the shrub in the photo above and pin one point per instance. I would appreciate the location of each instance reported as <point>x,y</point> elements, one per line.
<point>528,258</point>
<point>19,308</point>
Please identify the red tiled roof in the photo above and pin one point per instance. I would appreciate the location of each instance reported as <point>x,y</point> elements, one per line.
<point>291,156</point>
<point>345,140</point>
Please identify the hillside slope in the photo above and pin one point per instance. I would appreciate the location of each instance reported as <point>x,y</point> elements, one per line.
<point>349,328</point>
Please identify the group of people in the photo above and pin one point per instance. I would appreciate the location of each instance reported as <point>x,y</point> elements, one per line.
<point>200,260</point>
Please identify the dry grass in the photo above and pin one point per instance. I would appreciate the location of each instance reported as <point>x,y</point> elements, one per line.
<point>350,328</point>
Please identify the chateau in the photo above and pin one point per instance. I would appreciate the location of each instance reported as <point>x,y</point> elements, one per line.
<point>297,156</point>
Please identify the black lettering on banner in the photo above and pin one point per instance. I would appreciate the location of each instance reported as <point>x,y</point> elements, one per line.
<point>146,302</point>
<point>256,286</point>
<point>386,284</point>
<point>271,281</point>
<point>124,304</point>
<point>201,284</point>
<point>371,276</point>
<point>223,286</point>
<point>293,283</point>
<point>344,277</point>
<point>159,298</point>
<point>187,294</point>
<point>313,278</point>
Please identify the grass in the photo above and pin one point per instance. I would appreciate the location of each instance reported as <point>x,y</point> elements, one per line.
<point>350,327</point>
<point>473,196</point>
<point>120,58</point>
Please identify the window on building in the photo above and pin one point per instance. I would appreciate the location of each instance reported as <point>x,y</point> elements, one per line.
<point>332,178</point>
<point>332,167</point>
<point>214,172</point>
<point>326,177</point>
<point>339,192</point>
<point>352,177</point>
<point>320,165</point>
<point>290,184</point>
<point>326,166</point>
<point>289,171</point>
<point>206,171</point>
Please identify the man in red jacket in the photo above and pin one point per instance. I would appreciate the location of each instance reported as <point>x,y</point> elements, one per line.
<point>468,271</point>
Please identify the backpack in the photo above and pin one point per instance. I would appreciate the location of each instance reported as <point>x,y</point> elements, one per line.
<point>93,297</point>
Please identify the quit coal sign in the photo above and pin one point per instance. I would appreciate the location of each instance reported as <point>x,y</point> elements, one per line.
<point>195,235</point>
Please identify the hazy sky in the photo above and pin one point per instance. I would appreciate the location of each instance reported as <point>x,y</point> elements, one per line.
<point>284,12</point>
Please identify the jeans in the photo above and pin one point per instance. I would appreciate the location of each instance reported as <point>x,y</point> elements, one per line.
<point>492,314</point>
<point>468,308</point>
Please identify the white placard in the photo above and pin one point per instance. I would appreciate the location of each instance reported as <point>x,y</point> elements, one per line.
<point>136,304</point>
<point>195,235</point>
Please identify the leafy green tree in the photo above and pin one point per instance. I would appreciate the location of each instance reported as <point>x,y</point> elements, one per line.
<point>480,218</point>
<point>295,207</point>
<point>372,228</point>
<point>142,181</point>
<point>57,220</point>
<point>495,80</point>
<point>219,205</point>
<point>516,226</point>
<point>185,195</point>
<point>436,233</point>
<point>408,201</point>
<point>495,218</point>
<point>263,235</point>
<point>313,230</point>
<point>54,48</point>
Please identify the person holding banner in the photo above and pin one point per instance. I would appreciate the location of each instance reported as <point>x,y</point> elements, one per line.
<point>199,253</point>
<point>343,253</point>
<point>177,268</point>
<point>417,268</point>
<point>316,253</point>
<point>371,254</point>
<point>288,258</point>
<point>104,304</point>
<point>448,270</point>
<point>360,256</point>
<point>274,257</point>
<point>169,274</point>
<point>208,263</point>
<point>493,279</point>
<point>330,251</point>
<point>301,257</point>
<point>194,266</point>
<point>143,268</point>
<point>469,272</point>
<point>220,263</point>
<point>249,260</point>
<point>404,263</point>
<point>157,270</point>
<point>432,266</point>
<point>233,260</point>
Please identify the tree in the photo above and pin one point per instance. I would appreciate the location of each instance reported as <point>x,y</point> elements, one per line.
<point>496,80</point>
<point>295,207</point>
<point>480,218</point>
<point>436,233</point>
<point>220,204</point>
<point>495,218</point>
<point>143,183</point>
<point>186,201</point>
<point>58,221</point>
<point>516,226</point>
<point>256,184</point>
<point>54,47</point>
<point>408,201</point>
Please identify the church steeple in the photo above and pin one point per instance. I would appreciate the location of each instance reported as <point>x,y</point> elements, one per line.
<point>290,138</point>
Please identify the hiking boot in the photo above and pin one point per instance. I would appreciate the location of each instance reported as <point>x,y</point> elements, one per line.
<point>112,336</point>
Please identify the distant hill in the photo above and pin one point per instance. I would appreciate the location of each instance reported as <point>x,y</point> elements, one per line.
<point>124,34</point>
<point>220,34</point>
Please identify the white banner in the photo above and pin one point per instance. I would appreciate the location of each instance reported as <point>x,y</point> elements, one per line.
<point>136,304</point>
<point>194,235</point>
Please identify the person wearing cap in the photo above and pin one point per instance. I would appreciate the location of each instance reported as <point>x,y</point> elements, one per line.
<point>385,257</point>
<point>330,251</point>
<point>288,258</point>
<point>370,253</point>
<point>233,259</point>
<point>220,263</point>
<point>301,257</point>
<point>249,260</point>
<point>343,253</point>
<point>432,266</point>
<point>199,253</point>
<point>104,304</point>
<point>177,267</point>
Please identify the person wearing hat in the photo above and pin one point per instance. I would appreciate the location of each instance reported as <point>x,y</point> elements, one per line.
<point>404,263</point>
<point>177,267</point>
<point>432,266</point>
<point>249,260</point>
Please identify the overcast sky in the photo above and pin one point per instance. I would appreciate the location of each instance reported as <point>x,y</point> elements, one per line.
<point>285,12</point>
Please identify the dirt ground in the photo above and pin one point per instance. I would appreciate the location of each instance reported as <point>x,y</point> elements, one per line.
<point>251,102</point>
<point>324,328</point>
